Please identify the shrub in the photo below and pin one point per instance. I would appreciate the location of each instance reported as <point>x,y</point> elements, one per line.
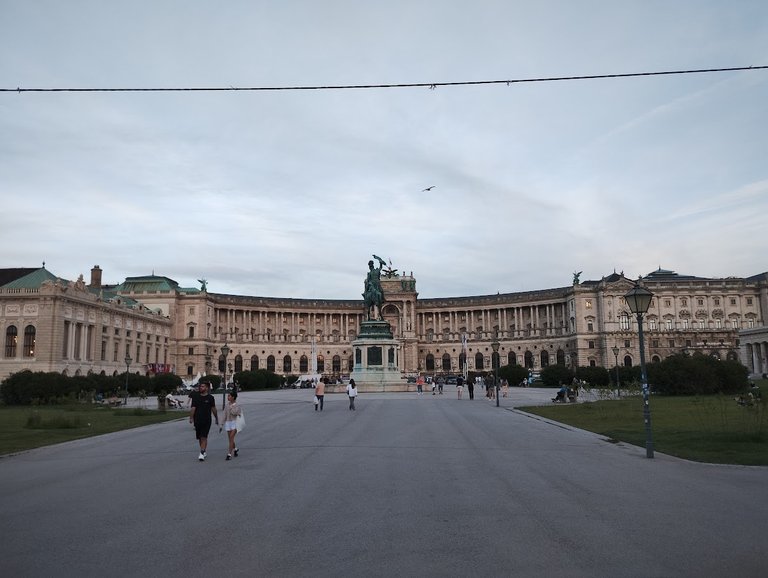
<point>259,379</point>
<point>555,375</point>
<point>594,376</point>
<point>514,374</point>
<point>697,375</point>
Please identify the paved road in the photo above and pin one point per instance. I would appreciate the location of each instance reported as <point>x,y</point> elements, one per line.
<point>404,486</point>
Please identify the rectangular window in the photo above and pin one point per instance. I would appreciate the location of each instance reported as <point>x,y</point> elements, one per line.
<point>667,302</point>
<point>717,301</point>
<point>685,324</point>
<point>733,301</point>
<point>719,323</point>
<point>749,300</point>
<point>671,342</point>
<point>627,343</point>
<point>624,322</point>
<point>669,324</point>
<point>114,355</point>
<point>591,344</point>
<point>687,342</point>
<point>652,324</point>
<point>684,302</point>
<point>700,302</point>
<point>590,327</point>
<point>103,350</point>
<point>654,342</point>
<point>191,351</point>
<point>750,323</point>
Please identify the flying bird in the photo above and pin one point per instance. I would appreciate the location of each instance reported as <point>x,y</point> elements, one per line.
<point>428,189</point>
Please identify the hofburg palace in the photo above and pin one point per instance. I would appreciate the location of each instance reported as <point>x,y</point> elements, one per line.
<point>79,327</point>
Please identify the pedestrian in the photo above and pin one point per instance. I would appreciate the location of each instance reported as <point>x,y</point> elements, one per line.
<point>319,394</point>
<point>505,385</point>
<point>440,383</point>
<point>231,413</point>
<point>352,393</point>
<point>459,386</point>
<point>471,388</point>
<point>420,385</point>
<point>203,406</point>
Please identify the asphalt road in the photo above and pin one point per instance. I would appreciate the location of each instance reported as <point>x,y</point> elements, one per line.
<point>404,486</point>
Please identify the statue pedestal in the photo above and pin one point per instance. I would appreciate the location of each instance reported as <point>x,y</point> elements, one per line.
<point>377,354</point>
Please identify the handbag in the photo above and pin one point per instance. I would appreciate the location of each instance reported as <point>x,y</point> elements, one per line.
<point>240,422</point>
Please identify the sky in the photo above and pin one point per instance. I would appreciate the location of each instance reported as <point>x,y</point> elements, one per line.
<point>290,193</point>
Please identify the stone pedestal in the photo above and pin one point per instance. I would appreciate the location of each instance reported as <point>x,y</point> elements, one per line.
<point>376,354</point>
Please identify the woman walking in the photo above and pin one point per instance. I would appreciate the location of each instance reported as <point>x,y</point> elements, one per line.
<point>231,413</point>
<point>352,393</point>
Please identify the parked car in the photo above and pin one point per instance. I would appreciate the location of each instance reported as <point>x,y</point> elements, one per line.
<point>451,380</point>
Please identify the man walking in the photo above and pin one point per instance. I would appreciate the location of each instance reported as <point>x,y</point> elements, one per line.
<point>320,394</point>
<point>471,388</point>
<point>203,405</point>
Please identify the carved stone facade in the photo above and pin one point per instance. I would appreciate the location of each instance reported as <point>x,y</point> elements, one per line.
<point>573,325</point>
<point>66,327</point>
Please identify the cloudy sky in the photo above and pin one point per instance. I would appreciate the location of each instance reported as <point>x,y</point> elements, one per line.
<point>289,193</point>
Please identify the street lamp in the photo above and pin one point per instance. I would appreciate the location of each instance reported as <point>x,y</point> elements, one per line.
<point>639,299</point>
<point>224,351</point>
<point>615,350</point>
<point>495,358</point>
<point>128,361</point>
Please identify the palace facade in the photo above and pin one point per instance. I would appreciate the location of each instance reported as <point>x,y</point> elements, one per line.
<point>51,324</point>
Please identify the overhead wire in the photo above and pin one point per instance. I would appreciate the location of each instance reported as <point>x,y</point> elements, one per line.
<point>429,85</point>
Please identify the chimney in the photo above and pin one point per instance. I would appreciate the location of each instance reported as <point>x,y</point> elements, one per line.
<point>95,276</point>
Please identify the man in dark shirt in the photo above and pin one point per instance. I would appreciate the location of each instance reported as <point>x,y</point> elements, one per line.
<point>203,405</point>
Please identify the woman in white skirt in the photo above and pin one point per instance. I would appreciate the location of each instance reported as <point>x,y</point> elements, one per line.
<point>231,413</point>
<point>352,393</point>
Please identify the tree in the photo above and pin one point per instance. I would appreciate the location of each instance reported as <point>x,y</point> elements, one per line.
<point>514,374</point>
<point>555,375</point>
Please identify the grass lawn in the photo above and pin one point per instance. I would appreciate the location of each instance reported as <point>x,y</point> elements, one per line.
<point>27,427</point>
<point>713,429</point>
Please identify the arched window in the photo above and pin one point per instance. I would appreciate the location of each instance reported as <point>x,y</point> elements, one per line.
<point>430,362</point>
<point>303,364</point>
<point>238,363</point>
<point>655,359</point>
<point>462,361</point>
<point>560,357</point>
<point>271,363</point>
<point>29,341</point>
<point>544,358</point>
<point>624,322</point>
<point>528,360</point>
<point>495,360</point>
<point>320,364</point>
<point>222,363</point>
<point>511,358</point>
<point>254,362</point>
<point>11,338</point>
<point>628,361</point>
<point>191,331</point>
<point>446,362</point>
<point>336,364</point>
<point>287,368</point>
<point>478,361</point>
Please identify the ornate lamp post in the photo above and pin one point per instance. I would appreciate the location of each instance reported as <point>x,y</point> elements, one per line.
<point>615,350</point>
<point>128,361</point>
<point>639,299</point>
<point>495,362</point>
<point>224,351</point>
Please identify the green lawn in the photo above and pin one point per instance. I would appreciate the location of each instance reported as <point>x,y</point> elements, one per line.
<point>713,429</point>
<point>26,427</point>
